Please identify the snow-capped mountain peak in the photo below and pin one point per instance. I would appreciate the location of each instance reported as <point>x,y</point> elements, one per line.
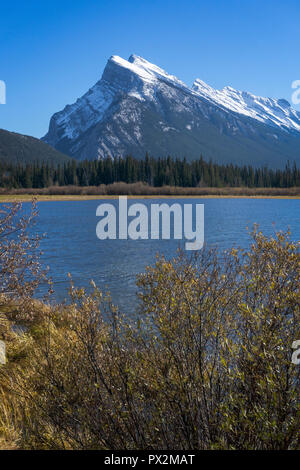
<point>137,106</point>
<point>153,70</point>
<point>131,66</point>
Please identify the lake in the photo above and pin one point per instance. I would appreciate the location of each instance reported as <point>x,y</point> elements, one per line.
<point>71,245</point>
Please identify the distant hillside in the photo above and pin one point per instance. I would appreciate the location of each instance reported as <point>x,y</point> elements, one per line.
<point>18,148</point>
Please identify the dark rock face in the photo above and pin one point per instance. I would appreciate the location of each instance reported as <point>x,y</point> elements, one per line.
<point>138,107</point>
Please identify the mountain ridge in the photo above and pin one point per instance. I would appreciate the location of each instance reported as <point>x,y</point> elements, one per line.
<point>137,106</point>
<point>19,148</point>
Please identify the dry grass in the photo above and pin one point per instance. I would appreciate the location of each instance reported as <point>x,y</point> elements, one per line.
<point>10,421</point>
<point>140,190</point>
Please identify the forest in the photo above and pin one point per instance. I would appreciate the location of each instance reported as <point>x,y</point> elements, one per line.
<point>154,172</point>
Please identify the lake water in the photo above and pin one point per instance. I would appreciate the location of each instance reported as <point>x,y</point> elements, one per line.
<point>71,245</point>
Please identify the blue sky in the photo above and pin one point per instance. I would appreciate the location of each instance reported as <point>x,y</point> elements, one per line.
<point>53,51</point>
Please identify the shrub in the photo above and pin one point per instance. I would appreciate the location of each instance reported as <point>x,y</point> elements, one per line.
<point>20,274</point>
<point>207,364</point>
<point>20,269</point>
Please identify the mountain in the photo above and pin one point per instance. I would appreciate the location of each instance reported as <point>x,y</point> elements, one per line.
<point>19,148</point>
<point>137,107</point>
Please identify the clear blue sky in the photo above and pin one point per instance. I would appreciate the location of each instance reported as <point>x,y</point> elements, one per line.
<point>53,51</point>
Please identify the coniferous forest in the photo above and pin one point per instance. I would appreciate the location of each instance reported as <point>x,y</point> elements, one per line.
<point>155,172</point>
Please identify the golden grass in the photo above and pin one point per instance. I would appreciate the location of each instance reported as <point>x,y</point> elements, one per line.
<point>87,198</point>
<point>141,190</point>
<point>10,419</point>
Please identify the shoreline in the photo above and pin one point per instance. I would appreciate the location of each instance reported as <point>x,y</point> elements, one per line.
<point>143,191</point>
<point>60,198</point>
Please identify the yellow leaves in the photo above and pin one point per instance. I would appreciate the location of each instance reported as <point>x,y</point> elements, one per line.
<point>224,362</point>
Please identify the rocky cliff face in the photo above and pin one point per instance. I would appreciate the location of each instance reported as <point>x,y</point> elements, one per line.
<point>138,107</point>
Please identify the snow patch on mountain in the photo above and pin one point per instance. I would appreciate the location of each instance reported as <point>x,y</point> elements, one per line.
<point>80,116</point>
<point>268,110</point>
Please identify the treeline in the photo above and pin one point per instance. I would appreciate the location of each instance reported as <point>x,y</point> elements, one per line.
<point>155,172</point>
